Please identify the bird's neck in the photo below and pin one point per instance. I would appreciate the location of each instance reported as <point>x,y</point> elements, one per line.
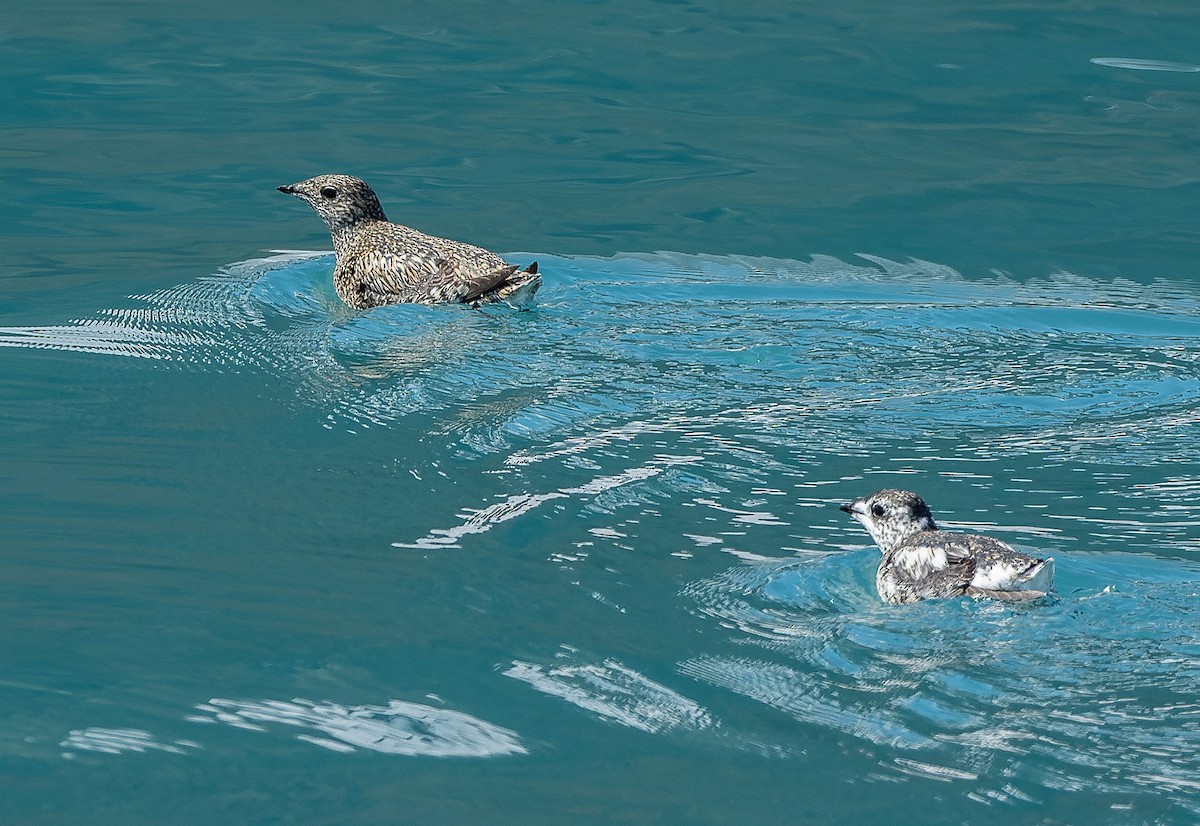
<point>344,234</point>
<point>890,537</point>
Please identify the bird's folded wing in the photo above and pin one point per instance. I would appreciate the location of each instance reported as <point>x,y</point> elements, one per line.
<point>949,581</point>
<point>475,287</point>
<point>402,276</point>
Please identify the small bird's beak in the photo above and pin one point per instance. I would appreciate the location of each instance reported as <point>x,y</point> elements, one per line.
<point>846,508</point>
<point>290,189</point>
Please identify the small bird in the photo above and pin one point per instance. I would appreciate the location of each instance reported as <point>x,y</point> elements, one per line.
<point>379,262</point>
<point>922,562</point>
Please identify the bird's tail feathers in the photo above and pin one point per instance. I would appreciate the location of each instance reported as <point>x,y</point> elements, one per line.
<point>1034,583</point>
<point>519,289</point>
<point>509,284</point>
<point>1038,578</point>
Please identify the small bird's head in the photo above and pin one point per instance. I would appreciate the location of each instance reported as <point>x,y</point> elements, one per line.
<point>891,516</point>
<point>341,200</point>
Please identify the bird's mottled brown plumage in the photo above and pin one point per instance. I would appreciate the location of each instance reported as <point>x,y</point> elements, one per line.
<point>379,262</point>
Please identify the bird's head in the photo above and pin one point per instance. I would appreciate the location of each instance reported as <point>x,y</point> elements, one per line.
<point>341,200</point>
<point>891,516</point>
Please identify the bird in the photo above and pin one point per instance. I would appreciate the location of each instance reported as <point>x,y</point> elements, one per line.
<point>920,561</point>
<point>380,263</point>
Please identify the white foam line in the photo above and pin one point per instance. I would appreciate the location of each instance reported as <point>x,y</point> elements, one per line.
<point>481,521</point>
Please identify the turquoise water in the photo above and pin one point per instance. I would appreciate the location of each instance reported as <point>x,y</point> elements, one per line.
<point>267,559</point>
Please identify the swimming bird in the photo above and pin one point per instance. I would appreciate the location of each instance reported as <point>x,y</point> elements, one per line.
<point>379,262</point>
<point>920,561</point>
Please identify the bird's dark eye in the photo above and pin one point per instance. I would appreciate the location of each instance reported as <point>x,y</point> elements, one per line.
<point>329,193</point>
<point>878,510</point>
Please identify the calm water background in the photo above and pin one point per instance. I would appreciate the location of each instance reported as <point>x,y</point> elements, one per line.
<point>266,560</point>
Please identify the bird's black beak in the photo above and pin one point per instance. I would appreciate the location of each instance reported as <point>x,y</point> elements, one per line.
<point>846,508</point>
<point>288,188</point>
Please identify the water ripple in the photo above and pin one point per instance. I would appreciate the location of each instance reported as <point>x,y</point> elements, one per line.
<point>120,741</point>
<point>612,691</point>
<point>1142,65</point>
<point>404,728</point>
<point>477,521</point>
<point>766,374</point>
<point>799,348</point>
<point>1095,689</point>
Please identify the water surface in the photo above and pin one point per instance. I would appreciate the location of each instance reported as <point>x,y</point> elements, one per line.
<point>268,559</point>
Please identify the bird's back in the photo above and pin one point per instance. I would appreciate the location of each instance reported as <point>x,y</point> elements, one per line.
<point>927,565</point>
<point>939,563</point>
<point>386,263</point>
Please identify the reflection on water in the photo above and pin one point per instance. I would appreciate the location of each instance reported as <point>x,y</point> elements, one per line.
<point>612,691</point>
<point>120,740</point>
<point>400,728</point>
<point>477,521</point>
<point>1145,65</point>
<point>412,729</point>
